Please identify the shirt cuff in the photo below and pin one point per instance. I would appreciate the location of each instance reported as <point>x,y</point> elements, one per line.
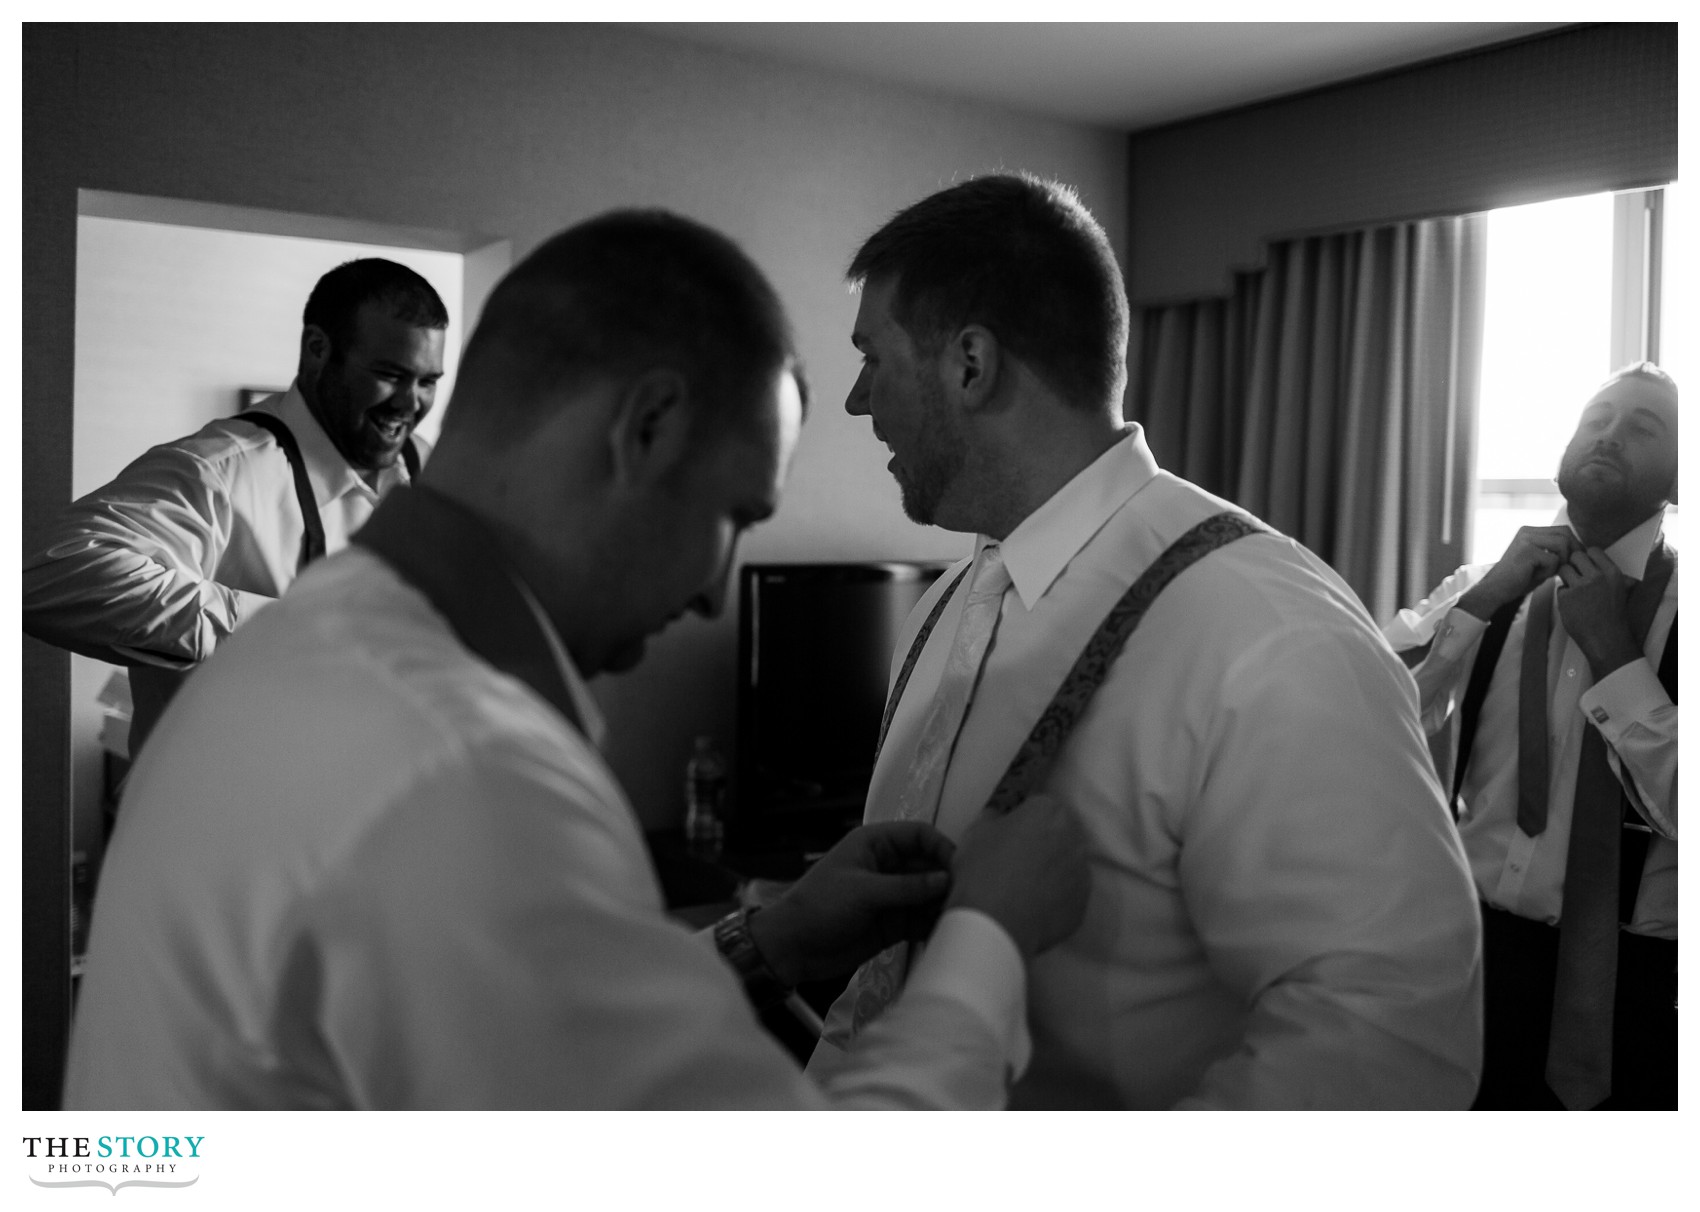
<point>1408,630</point>
<point>1624,696</point>
<point>249,604</point>
<point>1457,632</point>
<point>972,961</point>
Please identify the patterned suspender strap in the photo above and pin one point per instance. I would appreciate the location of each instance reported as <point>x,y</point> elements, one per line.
<point>876,982</point>
<point>915,655</point>
<point>1481,673</point>
<point>1039,751</point>
<point>312,530</point>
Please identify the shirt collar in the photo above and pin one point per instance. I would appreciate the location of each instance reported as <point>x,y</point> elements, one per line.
<point>1039,548</point>
<point>329,473</point>
<point>589,714</point>
<point>1630,552</point>
<point>446,552</point>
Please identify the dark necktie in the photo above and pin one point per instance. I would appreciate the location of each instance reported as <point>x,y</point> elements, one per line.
<point>1579,1048</point>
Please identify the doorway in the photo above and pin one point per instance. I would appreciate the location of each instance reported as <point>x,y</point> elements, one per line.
<point>180,307</point>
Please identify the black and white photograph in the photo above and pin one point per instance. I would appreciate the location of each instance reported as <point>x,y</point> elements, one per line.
<point>1080,565</point>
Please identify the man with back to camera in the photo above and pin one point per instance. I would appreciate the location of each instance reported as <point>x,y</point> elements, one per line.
<point>157,568</point>
<point>1280,914</point>
<point>404,877</point>
<point>1565,766</point>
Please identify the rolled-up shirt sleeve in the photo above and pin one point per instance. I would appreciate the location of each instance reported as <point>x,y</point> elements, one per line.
<point>1452,636</point>
<point>1638,722</point>
<point>125,574</point>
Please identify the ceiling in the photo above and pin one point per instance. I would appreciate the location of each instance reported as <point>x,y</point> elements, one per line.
<point>1125,75</point>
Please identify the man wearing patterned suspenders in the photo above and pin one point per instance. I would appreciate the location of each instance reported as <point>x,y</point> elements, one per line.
<point>1280,913</point>
<point>155,569</point>
<point>1564,777</point>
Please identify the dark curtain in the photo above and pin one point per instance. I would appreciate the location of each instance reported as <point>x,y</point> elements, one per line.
<point>1333,394</point>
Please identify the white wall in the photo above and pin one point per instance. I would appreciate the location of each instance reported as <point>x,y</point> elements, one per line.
<point>171,323</point>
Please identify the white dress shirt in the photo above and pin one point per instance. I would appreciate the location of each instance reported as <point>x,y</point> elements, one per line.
<point>398,877</point>
<point>1636,718</point>
<point>157,568</point>
<point>1280,912</point>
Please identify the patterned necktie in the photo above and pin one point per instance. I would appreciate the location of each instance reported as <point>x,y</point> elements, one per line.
<point>920,798</point>
<point>1584,989</point>
<point>877,981</point>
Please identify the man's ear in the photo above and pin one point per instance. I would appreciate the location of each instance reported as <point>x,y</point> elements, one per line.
<point>650,430</point>
<point>315,348</point>
<point>972,363</point>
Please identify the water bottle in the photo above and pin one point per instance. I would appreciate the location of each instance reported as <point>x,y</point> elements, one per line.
<point>705,797</point>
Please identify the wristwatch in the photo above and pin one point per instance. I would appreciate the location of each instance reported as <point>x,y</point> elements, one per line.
<point>732,937</point>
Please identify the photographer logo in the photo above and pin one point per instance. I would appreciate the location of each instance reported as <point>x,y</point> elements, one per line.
<point>113,1162</point>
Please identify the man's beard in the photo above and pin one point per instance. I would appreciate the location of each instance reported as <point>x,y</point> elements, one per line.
<point>935,463</point>
<point>1619,496</point>
<point>359,443</point>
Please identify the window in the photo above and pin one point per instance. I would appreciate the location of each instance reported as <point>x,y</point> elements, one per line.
<point>1575,289</point>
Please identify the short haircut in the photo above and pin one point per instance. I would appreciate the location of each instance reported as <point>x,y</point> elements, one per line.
<point>621,294</point>
<point>1646,371</point>
<point>339,295</point>
<point>1022,257</point>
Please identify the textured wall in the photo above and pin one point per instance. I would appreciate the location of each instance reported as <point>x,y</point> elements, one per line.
<point>1578,111</point>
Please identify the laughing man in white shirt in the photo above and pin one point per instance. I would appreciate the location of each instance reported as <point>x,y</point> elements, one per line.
<point>157,568</point>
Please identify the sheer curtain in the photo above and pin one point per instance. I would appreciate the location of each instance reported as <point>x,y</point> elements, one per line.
<point>1333,394</point>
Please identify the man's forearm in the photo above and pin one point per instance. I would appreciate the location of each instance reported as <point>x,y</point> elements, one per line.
<point>119,607</point>
<point>1607,655</point>
<point>1480,601</point>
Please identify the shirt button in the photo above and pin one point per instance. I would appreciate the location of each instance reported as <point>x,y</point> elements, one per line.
<point>1571,672</point>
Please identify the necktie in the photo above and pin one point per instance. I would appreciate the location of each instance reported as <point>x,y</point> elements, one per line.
<point>974,633</point>
<point>1532,767</point>
<point>1579,1046</point>
<point>877,981</point>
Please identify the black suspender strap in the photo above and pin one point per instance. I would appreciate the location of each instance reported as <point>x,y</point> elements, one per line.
<point>1481,673</point>
<point>1636,836</point>
<point>313,531</point>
